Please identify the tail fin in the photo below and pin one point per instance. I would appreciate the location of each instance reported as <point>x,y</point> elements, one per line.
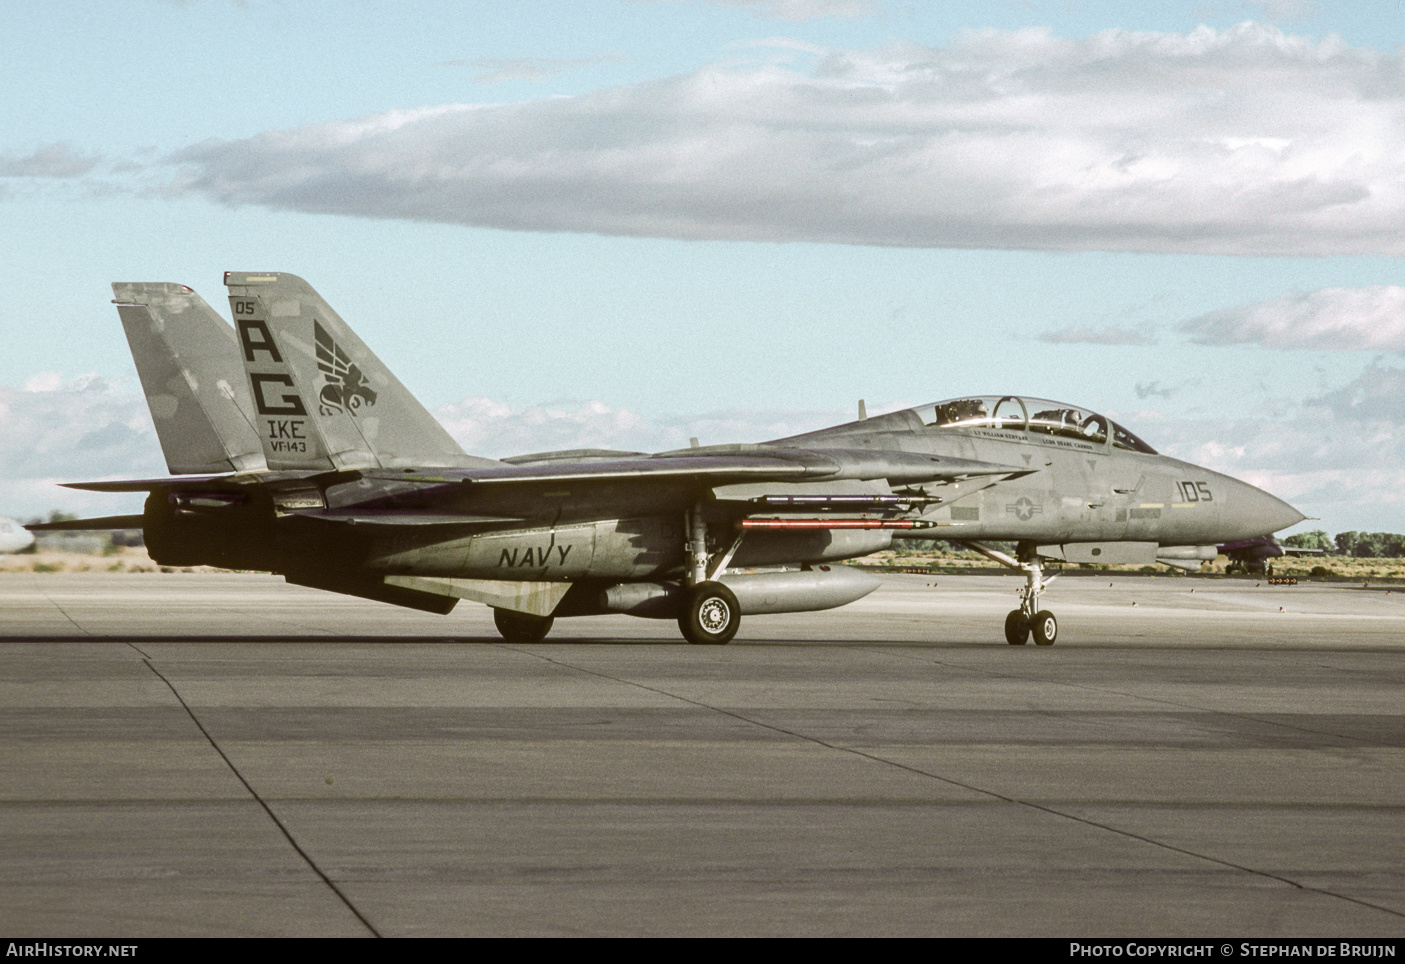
<point>325,399</point>
<point>188,361</point>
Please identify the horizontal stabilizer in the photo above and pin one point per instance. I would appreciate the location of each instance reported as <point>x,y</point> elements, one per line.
<point>90,525</point>
<point>148,485</point>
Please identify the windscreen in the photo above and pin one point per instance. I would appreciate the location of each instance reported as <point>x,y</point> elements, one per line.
<point>1035,415</point>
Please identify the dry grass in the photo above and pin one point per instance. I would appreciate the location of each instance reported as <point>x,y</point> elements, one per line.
<point>119,559</point>
<point>1340,567</point>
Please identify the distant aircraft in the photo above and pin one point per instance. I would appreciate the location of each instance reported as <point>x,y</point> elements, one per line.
<point>13,536</point>
<point>305,456</point>
<point>1257,555</point>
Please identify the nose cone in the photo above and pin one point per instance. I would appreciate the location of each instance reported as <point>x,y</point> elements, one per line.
<point>1253,512</point>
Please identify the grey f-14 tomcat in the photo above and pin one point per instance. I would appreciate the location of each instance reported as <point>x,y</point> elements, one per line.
<point>301,454</point>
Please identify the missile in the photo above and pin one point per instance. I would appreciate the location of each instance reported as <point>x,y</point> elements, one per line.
<point>837,524</point>
<point>850,502</point>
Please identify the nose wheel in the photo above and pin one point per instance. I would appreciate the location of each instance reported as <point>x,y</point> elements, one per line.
<point>1016,628</point>
<point>1045,628</point>
<point>1019,627</point>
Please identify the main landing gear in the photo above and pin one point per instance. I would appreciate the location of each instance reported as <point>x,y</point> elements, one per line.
<point>522,627</point>
<point>1029,619</point>
<point>710,615</point>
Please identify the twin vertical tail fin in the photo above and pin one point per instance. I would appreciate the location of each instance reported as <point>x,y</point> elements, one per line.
<point>321,398</point>
<point>188,361</point>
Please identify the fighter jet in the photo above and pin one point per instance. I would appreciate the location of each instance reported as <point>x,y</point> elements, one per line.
<point>297,452</point>
<point>1257,555</point>
<point>13,536</point>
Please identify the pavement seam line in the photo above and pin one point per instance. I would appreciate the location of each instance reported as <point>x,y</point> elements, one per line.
<point>1128,833</point>
<point>1153,699</point>
<point>966,786</point>
<point>62,611</point>
<point>287,835</point>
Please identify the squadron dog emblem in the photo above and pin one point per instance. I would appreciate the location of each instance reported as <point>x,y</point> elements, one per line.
<point>346,388</point>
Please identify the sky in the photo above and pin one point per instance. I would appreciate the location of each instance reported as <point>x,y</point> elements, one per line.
<point>623,223</point>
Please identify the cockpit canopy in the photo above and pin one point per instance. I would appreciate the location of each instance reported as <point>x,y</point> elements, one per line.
<point>1016,414</point>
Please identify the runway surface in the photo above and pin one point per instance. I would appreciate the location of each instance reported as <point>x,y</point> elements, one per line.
<point>227,755</point>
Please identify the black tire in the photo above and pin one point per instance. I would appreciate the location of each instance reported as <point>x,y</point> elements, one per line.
<point>711,616</point>
<point>522,627</point>
<point>1046,628</point>
<point>1016,628</point>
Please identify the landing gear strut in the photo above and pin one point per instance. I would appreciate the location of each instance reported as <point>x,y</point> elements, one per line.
<point>1029,619</point>
<point>711,613</point>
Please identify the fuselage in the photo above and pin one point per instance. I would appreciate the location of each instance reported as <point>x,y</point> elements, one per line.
<point>1078,479</point>
<point>1078,490</point>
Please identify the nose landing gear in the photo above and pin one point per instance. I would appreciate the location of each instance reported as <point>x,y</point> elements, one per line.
<point>1029,619</point>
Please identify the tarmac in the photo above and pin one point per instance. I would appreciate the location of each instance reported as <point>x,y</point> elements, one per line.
<point>187,754</point>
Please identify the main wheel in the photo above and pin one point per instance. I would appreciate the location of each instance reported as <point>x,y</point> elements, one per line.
<point>1046,628</point>
<point>711,616</point>
<point>522,627</point>
<point>1016,628</point>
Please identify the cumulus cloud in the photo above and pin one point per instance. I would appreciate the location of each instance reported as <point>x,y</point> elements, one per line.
<point>57,430</point>
<point>74,427</point>
<point>1332,318</point>
<point>1377,394</point>
<point>1241,141</point>
<point>1111,335</point>
<point>57,160</point>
